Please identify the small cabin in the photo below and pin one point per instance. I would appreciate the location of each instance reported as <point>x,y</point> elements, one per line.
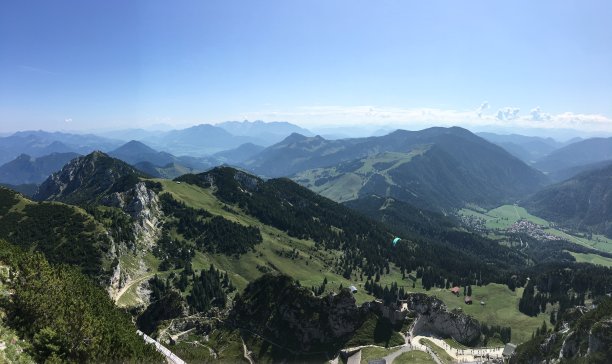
<point>508,350</point>
<point>353,289</point>
<point>455,290</point>
<point>468,300</point>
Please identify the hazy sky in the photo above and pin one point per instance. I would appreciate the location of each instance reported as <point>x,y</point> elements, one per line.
<point>100,64</point>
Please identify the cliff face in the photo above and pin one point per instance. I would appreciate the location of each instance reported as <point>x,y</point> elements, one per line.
<point>600,338</point>
<point>142,204</point>
<point>434,319</point>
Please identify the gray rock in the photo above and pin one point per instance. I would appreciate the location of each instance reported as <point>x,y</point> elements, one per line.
<point>435,319</point>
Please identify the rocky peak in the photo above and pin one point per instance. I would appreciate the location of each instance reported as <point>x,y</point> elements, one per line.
<point>87,178</point>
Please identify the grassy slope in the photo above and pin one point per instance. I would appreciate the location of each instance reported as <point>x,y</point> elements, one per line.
<point>440,353</point>
<point>501,308</point>
<point>504,216</point>
<point>348,184</point>
<point>368,354</point>
<point>131,263</point>
<point>414,357</point>
<point>592,258</point>
<point>309,268</point>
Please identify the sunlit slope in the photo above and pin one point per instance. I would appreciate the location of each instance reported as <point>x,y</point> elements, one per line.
<point>278,251</point>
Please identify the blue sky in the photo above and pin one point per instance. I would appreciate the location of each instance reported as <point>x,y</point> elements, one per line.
<point>77,65</point>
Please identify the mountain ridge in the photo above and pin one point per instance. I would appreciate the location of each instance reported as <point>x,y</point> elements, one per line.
<point>27,170</point>
<point>582,202</point>
<point>440,167</point>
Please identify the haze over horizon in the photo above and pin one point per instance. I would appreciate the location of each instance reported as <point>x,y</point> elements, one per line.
<point>523,67</point>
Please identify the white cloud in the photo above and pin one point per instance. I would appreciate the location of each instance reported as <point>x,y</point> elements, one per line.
<point>68,120</point>
<point>538,115</point>
<point>410,118</point>
<point>484,106</point>
<point>508,113</point>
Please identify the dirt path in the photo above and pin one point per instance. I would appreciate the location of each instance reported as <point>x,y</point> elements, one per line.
<point>355,358</point>
<point>246,353</point>
<point>130,285</point>
<point>518,216</point>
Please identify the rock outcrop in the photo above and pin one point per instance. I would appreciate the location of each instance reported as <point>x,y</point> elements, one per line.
<point>434,319</point>
<point>142,204</point>
<point>600,337</point>
<point>275,307</point>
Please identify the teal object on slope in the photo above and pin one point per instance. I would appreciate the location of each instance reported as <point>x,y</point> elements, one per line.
<point>396,240</point>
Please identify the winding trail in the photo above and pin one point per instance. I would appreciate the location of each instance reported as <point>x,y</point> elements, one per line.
<point>246,354</point>
<point>125,288</point>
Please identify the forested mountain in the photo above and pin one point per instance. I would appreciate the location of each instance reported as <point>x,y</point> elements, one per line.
<point>434,169</point>
<point>567,173</point>
<point>299,153</point>
<point>134,152</point>
<point>584,152</point>
<point>87,179</point>
<point>583,202</point>
<point>302,213</point>
<point>27,170</point>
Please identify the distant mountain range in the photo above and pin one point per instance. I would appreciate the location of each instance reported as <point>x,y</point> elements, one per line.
<point>196,141</point>
<point>267,133</point>
<point>206,139</point>
<point>160,164</point>
<point>40,143</point>
<point>27,170</point>
<point>435,168</point>
<point>581,153</point>
<point>583,202</point>
<point>240,154</point>
<point>527,148</point>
